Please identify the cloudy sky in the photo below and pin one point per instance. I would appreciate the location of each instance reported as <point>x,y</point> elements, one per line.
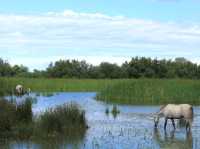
<point>36,32</point>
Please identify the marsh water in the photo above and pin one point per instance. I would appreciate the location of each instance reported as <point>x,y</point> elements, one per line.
<point>132,128</point>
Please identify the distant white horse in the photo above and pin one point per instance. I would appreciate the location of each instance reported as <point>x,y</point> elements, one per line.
<point>19,89</point>
<point>173,111</point>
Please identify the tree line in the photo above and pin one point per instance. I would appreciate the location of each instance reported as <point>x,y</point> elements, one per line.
<point>137,67</point>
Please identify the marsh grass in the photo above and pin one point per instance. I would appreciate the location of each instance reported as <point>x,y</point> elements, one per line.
<point>151,92</point>
<point>17,121</point>
<point>7,85</point>
<point>115,111</point>
<point>13,116</point>
<point>122,91</point>
<point>107,111</point>
<point>66,120</point>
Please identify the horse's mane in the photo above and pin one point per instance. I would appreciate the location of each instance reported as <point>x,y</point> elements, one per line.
<point>162,107</point>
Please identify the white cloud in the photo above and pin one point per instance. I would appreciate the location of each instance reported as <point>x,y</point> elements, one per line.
<point>30,39</point>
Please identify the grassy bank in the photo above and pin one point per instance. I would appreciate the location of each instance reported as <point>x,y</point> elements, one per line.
<point>152,92</point>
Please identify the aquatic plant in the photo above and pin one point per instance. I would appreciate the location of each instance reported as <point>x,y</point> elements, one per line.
<point>7,116</point>
<point>151,92</point>
<point>123,91</point>
<point>53,85</point>
<point>115,111</point>
<point>107,111</point>
<point>24,111</point>
<point>13,116</point>
<point>63,120</point>
<point>17,121</point>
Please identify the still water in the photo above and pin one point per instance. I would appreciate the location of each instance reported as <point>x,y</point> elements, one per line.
<point>132,128</point>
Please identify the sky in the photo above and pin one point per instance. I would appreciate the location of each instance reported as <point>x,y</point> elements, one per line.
<point>35,33</point>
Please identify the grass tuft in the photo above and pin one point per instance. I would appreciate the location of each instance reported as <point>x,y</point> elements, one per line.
<point>66,119</point>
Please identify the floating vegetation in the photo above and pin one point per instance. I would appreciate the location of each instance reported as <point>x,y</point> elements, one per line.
<point>115,111</point>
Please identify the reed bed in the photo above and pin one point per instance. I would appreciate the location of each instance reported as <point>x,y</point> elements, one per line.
<point>17,121</point>
<point>7,85</point>
<point>151,92</point>
<point>121,91</point>
<point>66,120</point>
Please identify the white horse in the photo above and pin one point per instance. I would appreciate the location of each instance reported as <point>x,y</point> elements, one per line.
<point>173,111</point>
<point>19,89</point>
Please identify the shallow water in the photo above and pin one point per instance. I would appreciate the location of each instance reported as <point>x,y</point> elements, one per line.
<point>132,128</point>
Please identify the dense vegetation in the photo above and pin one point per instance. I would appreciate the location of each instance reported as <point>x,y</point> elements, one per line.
<point>125,91</point>
<point>136,68</point>
<point>16,121</point>
<point>7,85</point>
<point>65,119</point>
<point>152,92</point>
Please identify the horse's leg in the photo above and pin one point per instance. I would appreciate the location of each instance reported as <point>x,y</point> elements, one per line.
<point>173,123</point>
<point>188,125</point>
<point>165,123</point>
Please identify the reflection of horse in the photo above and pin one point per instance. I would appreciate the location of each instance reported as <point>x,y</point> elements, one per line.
<point>170,141</point>
<point>172,111</point>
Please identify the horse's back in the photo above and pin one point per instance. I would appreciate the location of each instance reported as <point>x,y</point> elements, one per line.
<point>178,110</point>
<point>19,86</point>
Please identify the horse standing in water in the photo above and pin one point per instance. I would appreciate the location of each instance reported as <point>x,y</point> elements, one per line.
<point>173,111</point>
<point>20,90</point>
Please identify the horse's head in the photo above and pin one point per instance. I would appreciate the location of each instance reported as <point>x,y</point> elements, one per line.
<point>156,121</point>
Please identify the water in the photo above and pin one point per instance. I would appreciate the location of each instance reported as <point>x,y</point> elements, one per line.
<point>132,128</point>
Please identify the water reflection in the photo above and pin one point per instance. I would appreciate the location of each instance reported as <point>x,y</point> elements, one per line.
<point>173,140</point>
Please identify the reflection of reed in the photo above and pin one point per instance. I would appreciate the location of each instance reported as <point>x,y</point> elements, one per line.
<point>169,140</point>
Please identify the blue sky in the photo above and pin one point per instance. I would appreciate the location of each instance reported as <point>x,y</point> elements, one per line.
<point>164,10</point>
<point>36,32</point>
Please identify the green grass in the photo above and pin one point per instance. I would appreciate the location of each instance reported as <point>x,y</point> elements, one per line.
<point>66,120</point>
<point>151,92</point>
<point>17,121</point>
<point>7,85</point>
<point>121,91</point>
